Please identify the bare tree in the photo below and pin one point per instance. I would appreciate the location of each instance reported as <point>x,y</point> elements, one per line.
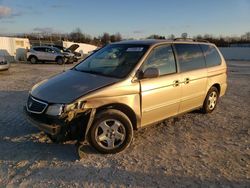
<point>171,37</point>
<point>105,38</point>
<point>156,37</point>
<point>246,36</point>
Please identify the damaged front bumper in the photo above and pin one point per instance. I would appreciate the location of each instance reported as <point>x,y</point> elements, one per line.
<point>52,129</point>
<point>75,127</point>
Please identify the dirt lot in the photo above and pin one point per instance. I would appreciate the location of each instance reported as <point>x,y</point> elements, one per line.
<point>191,150</point>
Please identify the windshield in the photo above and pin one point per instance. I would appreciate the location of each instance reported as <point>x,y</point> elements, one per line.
<point>115,60</point>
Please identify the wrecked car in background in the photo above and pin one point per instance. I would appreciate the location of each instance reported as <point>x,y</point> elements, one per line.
<point>49,54</point>
<point>71,50</point>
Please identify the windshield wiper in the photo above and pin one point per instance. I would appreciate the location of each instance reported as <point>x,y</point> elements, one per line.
<point>95,72</point>
<point>90,71</point>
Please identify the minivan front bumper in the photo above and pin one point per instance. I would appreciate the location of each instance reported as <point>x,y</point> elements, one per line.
<point>52,129</point>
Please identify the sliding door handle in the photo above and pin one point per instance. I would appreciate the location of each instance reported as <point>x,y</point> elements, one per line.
<point>176,83</point>
<point>186,81</point>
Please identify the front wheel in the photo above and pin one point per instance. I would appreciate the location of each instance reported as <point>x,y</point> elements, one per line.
<point>211,100</point>
<point>59,60</point>
<point>33,60</point>
<point>111,132</point>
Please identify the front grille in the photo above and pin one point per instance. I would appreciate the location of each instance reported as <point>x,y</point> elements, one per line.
<point>36,106</point>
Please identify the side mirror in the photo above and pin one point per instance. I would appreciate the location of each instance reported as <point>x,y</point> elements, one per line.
<point>151,73</point>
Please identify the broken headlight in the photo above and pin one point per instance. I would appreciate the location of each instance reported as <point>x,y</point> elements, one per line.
<point>75,106</point>
<point>55,109</point>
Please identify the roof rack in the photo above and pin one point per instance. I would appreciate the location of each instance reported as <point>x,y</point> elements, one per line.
<point>190,39</point>
<point>202,40</point>
<point>183,39</point>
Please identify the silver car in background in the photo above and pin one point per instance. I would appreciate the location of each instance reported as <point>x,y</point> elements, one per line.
<point>4,64</point>
<point>48,54</point>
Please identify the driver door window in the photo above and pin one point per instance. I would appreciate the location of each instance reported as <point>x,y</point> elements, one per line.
<point>162,58</point>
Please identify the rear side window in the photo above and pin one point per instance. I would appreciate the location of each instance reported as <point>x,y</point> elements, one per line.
<point>161,57</point>
<point>211,55</point>
<point>190,57</point>
<point>39,49</point>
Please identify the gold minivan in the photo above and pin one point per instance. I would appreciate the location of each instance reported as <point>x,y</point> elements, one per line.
<point>125,86</point>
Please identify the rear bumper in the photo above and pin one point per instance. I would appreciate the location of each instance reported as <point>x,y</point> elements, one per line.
<point>50,129</point>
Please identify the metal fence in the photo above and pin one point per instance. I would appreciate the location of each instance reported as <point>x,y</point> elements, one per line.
<point>236,53</point>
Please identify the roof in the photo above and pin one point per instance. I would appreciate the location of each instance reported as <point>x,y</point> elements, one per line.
<point>142,42</point>
<point>151,42</point>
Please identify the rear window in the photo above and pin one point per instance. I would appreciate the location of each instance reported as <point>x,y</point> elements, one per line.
<point>211,55</point>
<point>190,57</point>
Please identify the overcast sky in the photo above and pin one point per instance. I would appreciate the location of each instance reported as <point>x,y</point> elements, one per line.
<point>132,18</point>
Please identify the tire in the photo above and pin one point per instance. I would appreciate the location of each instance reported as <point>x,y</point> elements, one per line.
<point>111,132</point>
<point>33,60</point>
<point>211,100</point>
<point>59,60</point>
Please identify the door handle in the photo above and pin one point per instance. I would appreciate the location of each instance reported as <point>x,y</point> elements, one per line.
<point>176,83</point>
<point>187,80</point>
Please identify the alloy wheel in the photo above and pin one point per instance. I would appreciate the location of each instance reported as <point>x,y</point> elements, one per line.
<point>212,100</point>
<point>110,134</point>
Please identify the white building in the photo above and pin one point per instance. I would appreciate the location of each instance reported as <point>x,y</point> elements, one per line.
<point>14,48</point>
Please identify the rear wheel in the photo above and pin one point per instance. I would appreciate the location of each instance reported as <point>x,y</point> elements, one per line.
<point>211,100</point>
<point>111,132</point>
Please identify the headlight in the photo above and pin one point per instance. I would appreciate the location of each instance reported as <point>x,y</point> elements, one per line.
<point>55,109</point>
<point>58,109</point>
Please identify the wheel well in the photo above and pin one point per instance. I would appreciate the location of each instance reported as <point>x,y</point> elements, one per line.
<point>217,87</point>
<point>32,56</point>
<point>123,108</point>
<point>59,57</point>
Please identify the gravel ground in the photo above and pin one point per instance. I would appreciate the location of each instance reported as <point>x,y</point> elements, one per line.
<point>193,150</point>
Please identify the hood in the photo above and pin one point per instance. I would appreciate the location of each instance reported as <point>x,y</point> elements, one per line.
<point>73,47</point>
<point>68,54</point>
<point>69,86</point>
